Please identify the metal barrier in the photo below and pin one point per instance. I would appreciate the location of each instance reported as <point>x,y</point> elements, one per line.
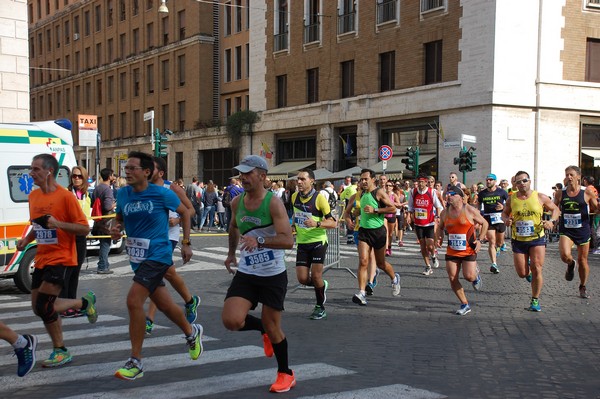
<point>332,256</point>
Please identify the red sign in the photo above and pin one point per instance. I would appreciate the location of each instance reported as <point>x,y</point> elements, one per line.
<point>385,153</point>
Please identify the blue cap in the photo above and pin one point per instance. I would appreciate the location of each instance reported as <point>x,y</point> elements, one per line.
<point>491,176</point>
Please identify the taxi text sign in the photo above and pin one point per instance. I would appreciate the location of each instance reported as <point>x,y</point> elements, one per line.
<point>88,130</point>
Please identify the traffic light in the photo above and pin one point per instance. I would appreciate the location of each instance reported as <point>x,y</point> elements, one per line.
<point>462,160</point>
<point>160,143</point>
<point>471,161</point>
<point>412,160</point>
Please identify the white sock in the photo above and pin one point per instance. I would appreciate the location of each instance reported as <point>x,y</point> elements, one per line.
<point>20,343</point>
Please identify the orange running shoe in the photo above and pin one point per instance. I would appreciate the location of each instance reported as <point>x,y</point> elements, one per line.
<point>284,382</point>
<point>267,346</point>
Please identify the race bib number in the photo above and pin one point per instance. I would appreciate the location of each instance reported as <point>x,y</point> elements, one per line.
<point>524,228</point>
<point>496,218</point>
<point>300,218</point>
<point>137,249</point>
<point>420,213</point>
<point>257,258</point>
<point>457,242</point>
<point>572,220</point>
<point>45,236</point>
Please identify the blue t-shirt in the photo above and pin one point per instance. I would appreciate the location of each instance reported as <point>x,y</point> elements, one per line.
<point>146,218</point>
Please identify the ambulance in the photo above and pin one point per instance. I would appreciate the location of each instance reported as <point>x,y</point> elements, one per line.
<point>19,143</point>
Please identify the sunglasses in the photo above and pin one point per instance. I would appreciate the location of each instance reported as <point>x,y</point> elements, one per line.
<point>389,185</point>
<point>76,176</point>
<point>522,181</point>
<point>450,193</point>
<point>489,179</point>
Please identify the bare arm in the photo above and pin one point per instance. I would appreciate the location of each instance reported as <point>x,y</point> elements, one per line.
<point>234,236</point>
<point>507,212</point>
<point>549,206</point>
<point>592,200</point>
<point>184,211</point>
<point>348,212</point>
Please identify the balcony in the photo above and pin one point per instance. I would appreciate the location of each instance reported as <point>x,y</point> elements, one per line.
<point>346,23</point>
<point>311,33</point>
<point>281,41</point>
<point>386,11</point>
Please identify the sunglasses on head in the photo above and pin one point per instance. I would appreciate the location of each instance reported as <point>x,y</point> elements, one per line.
<point>522,181</point>
<point>450,193</point>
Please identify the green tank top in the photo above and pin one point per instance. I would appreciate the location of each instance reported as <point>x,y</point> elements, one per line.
<point>368,220</point>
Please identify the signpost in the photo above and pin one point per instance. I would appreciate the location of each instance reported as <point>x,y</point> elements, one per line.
<point>88,135</point>
<point>385,154</point>
<point>149,116</point>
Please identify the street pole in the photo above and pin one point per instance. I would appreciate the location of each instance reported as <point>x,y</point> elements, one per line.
<point>464,170</point>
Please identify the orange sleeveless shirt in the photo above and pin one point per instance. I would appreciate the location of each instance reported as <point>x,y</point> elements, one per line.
<point>461,233</point>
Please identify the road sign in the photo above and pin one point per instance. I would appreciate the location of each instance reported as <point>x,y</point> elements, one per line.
<point>384,165</point>
<point>88,130</point>
<point>385,153</point>
<point>452,144</point>
<point>148,115</point>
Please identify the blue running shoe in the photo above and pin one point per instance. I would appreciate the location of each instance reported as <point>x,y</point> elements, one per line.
<point>464,309</point>
<point>191,309</point>
<point>503,248</point>
<point>535,305</point>
<point>375,278</point>
<point>26,355</point>
<point>369,289</point>
<point>529,277</point>
<point>149,326</point>
<point>494,268</point>
<point>477,284</point>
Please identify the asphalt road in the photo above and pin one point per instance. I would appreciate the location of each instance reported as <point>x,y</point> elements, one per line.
<point>412,346</point>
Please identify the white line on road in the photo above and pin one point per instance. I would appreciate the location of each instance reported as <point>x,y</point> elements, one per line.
<point>218,384</point>
<point>397,391</point>
<point>25,327</point>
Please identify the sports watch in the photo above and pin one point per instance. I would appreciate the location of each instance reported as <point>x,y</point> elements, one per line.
<point>261,242</point>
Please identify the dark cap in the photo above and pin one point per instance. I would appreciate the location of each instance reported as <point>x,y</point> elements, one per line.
<point>250,162</point>
<point>456,190</point>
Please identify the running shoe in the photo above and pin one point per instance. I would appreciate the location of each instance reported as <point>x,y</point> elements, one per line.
<point>326,285</point>
<point>436,262</point>
<point>428,271</point>
<point>149,326</point>
<point>58,357</point>
<point>503,248</point>
<point>478,283</point>
<point>494,268</point>
<point>497,251</point>
<point>132,370</point>
<point>359,299</point>
<point>535,305</point>
<point>26,355</point>
<point>400,243</point>
<point>284,382</point>
<point>396,285</point>
<point>90,310</point>
<point>377,271</point>
<point>195,341</point>
<point>529,277</point>
<point>318,313</point>
<point>570,273</point>
<point>464,309</point>
<point>583,292</point>
<point>191,309</point>
<point>267,345</point>
<point>69,314</point>
<point>369,289</point>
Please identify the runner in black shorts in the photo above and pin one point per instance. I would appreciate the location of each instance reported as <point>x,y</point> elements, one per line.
<point>492,200</point>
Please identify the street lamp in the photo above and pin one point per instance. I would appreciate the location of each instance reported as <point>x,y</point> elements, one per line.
<point>163,7</point>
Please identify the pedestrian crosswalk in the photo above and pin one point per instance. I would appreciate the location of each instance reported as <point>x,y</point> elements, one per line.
<point>100,349</point>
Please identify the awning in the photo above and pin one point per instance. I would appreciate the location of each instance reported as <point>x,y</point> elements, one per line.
<point>355,170</point>
<point>322,174</point>
<point>282,170</point>
<point>594,153</point>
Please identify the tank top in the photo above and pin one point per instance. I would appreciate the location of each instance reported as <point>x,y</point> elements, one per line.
<point>527,218</point>
<point>574,212</point>
<point>303,211</point>
<point>259,223</point>
<point>393,199</point>
<point>461,234</point>
<point>423,207</point>
<point>369,220</point>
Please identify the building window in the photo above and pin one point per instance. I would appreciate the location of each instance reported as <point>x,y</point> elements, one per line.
<point>58,103</point>
<point>68,65</point>
<point>179,165</point>
<point>312,85</point>
<point>109,50</point>
<point>98,54</point>
<point>122,86</point>
<point>592,60</point>
<point>136,82</point>
<point>312,22</point>
<point>387,10</point>
<point>281,91</point>
<point>111,88</point>
<point>346,17</point>
<point>99,92</point>
<point>136,41</point>
<point>136,122</point>
<point>247,60</point>
<point>150,35</point>
<point>238,15</point>
<point>67,32</point>
<point>150,78</point>
<point>165,74</point>
<point>58,35</point>
<point>227,21</point>
<point>123,124</point>
<point>76,27</point>
<point>49,72</point>
<point>109,13</point>
<point>227,65</point>
<point>149,4</point>
<point>238,104</point>
<point>247,102</point>
<point>135,8</point>
<point>86,23</point>
<point>77,62</point>
<point>238,62</point>
<point>428,5</point>
<point>181,24</point>
<point>67,100</point>
<point>111,126</point>
<point>387,71</point>
<point>50,110</point>
<point>77,99</point>
<point>165,117</point>
<point>281,26</point>
<point>48,40</point>
<point>228,107</point>
<point>433,62</point>
<point>88,58</point>
<point>347,78</point>
<point>181,115</point>
<point>297,149</point>
<point>58,68</point>
<point>122,11</point>
<point>40,44</point>
<point>165,30</point>
<point>88,95</point>
<point>122,44</point>
<point>181,69</point>
<point>97,18</point>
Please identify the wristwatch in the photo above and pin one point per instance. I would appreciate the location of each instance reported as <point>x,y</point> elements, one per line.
<point>318,224</point>
<point>261,242</point>
<point>186,242</point>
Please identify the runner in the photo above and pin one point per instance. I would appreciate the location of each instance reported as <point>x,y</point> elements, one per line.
<point>191,301</point>
<point>459,221</point>
<point>421,202</point>
<point>492,201</point>
<point>260,224</point>
<point>142,208</point>
<point>24,347</point>
<point>57,218</point>
<point>374,204</point>
<point>390,218</point>
<point>312,215</point>
<point>575,203</point>
<point>523,211</point>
